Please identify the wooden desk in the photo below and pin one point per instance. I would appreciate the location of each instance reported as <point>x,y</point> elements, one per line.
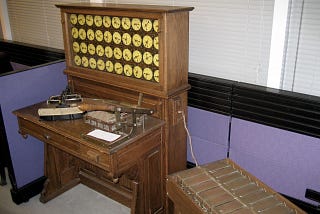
<point>71,159</point>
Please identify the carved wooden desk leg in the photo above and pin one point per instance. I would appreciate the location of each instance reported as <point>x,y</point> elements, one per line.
<point>62,172</point>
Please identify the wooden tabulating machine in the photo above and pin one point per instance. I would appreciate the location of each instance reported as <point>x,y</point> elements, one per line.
<point>224,187</point>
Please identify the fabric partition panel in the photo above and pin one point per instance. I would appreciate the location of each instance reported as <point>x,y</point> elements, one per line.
<point>287,161</point>
<point>18,90</point>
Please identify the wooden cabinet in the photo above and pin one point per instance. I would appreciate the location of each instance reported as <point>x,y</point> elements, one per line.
<point>134,54</point>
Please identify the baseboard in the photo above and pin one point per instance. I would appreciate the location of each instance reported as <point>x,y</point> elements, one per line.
<point>23,194</point>
<point>309,208</point>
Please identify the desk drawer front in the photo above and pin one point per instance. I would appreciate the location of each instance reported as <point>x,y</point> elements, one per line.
<point>96,156</point>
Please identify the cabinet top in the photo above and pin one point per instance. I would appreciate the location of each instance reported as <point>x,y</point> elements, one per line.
<point>126,7</point>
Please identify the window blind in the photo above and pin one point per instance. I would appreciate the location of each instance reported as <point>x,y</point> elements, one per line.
<point>301,67</point>
<point>36,22</point>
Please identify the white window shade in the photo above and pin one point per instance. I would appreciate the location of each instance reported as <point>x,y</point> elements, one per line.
<point>301,72</point>
<point>36,22</point>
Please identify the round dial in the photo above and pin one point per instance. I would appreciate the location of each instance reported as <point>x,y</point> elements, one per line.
<point>136,24</point>
<point>156,42</point>
<point>91,49</point>
<point>107,37</point>
<point>116,38</point>
<point>109,66</point>
<point>82,34</point>
<point>127,69</point>
<point>73,19</point>
<point>127,54</point>
<point>126,23</point>
<point>100,50</point>
<point>117,53</point>
<point>137,72</point>
<point>77,60</point>
<point>118,68</point>
<point>156,25</point>
<point>106,21</point>
<point>116,22</point>
<point>126,39</point>
<point>147,58</point>
<point>90,34</point>
<point>84,61</point>
<point>147,74</point>
<point>146,25</point>
<point>83,47</point>
<point>147,41</point>
<point>109,52</point>
<point>81,19</point>
<point>74,33</point>
<point>136,40</point>
<point>156,60</point>
<point>97,21</point>
<point>75,47</point>
<point>137,56</point>
<point>92,63</point>
<point>99,35</point>
<point>89,20</point>
<point>156,75</point>
<point>100,64</point>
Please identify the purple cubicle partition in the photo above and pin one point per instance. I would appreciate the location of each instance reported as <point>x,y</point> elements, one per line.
<point>209,134</point>
<point>288,162</point>
<point>22,89</point>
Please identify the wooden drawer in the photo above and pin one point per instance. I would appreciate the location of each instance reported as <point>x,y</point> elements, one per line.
<point>95,156</point>
<point>48,136</point>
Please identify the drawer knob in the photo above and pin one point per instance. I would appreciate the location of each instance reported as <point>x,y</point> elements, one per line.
<point>47,137</point>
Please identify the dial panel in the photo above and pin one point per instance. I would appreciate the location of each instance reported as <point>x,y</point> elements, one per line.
<point>127,46</point>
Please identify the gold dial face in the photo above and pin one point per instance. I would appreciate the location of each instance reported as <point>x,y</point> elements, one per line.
<point>109,52</point>
<point>127,55</point>
<point>117,53</point>
<point>156,75</point>
<point>81,19</point>
<point>83,47</point>
<point>82,34</point>
<point>116,38</point>
<point>118,68</point>
<point>116,22</point>
<point>147,58</point>
<point>89,20</point>
<point>156,25</point>
<point>137,56</point>
<point>127,69</point>
<point>137,72</point>
<point>106,20</point>
<point>147,41</point>
<point>100,64</point>
<point>156,60</point>
<point>74,33</point>
<point>147,74</point>
<point>91,49</point>
<point>126,23</point>
<point>137,40</point>
<point>156,42</point>
<point>126,39</point>
<point>97,21</point>
<point>99,35</point>
<point>92,63</point>
<point>73,19</point>
<point>100,50</point>
<point>107,37</point>
<point>84,61</point>
<point>77,60</point>
<point>90,34</point>
<point>75,47</point>
<point>147,25</point>
<point>136,24</point>
<point>109,66</point>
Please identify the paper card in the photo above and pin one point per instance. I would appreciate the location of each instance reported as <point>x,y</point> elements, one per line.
<point>103,135</point>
